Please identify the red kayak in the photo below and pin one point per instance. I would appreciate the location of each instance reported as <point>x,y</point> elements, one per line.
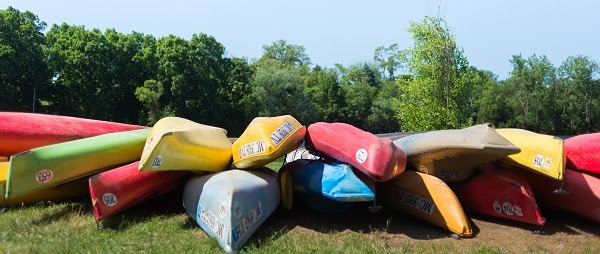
<point>24,131</point>
<point>583,153</point>
<point>500,192</point>
<point>116,190</point>
<point>583,196</point>
<point>377,157</point>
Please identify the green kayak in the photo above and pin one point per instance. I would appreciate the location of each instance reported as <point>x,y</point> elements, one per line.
<point>53,165</point>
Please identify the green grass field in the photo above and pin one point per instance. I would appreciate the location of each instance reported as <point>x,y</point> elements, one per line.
<point>161,225</point>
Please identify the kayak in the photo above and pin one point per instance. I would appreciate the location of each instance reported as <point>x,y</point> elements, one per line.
<point>115,190</point>
<point>377,157</point>
<point>583,153</point>
<point>542,154</point>
<point>232,204</point>
<point>266,139</point>
<point>53,165</point>
<point>20,132</point>
<point>500,192</point>
<point>300,154</point>
<point>328,187</point>
<point>73,190</point>
<point>583,198</point>
<point>453,155</point>
<point>180,144</point>
<point>428,198</point>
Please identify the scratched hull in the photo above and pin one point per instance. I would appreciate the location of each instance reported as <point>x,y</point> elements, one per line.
<point>266,139</point>
<point>232,204</point>
<point>453,155</point>
<point>427,198</point>
<point>328,187</point>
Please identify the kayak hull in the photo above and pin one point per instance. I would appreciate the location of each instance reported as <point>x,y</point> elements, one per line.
<point>266,139</point>
<point>500,192</point>
<point>53,165</point>
<point>377,157</point>
<point>232,204</point>
<point>118,189</point>
<point>583,153</point>
<point>20,132</point>
<point>428,198</point>
<point>180,144</point>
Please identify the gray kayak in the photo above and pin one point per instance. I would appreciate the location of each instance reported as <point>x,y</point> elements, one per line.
<point>453,155</point>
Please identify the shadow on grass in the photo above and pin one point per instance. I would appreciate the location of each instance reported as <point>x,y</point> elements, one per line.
<point>69,209</point>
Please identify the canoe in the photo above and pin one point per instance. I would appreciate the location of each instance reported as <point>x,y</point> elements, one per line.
<point>300,154</point>
<point>53,165</point>
<point>583,153</point>
<point>428,198</point>
<point>73,190</point>
<point>232,204</point>
<point>583,198</point>
<point>453,155</point>
<point>542,154</point>
<point>328,187</point>
<point>266,139</point>
<point>377,157</point>
<point>500,192</point>
<point>115,190</point>
<point>20,132</point>
<point>180,144</point>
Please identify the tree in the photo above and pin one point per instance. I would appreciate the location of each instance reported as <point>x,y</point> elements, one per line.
<point>324,91</point>
<point>529,99</point>
<point>284,55</point>
<point>149,95</point>
<point>435,96</point>
<point>24,72</point>
<point>578,89</point>
<point>388,60</point>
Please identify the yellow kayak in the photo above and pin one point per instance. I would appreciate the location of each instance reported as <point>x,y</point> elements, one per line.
<point>67,191</point>
<point>266,139</point>
<point>180,144</point>
<point>542,154</point>
<point>428,198</point>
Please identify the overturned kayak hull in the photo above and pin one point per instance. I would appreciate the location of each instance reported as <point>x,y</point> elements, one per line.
<point>453,155</point>
<point>541,154</point>
<point>50,166</point>
<point>231,205</point>
<point>583,153</point>
<point>329,187</point>
<point>72,190</point>
<point>180,144</point>
<point>118,189</point>
<point>428,198</point>
<point>20,132</point>
<point>500,192</point>
<point>583,196</point>
<point>377,157</point>
<point>266,139</point>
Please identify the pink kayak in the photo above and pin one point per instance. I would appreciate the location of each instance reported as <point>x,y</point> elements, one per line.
<point>116,190</point>
<point>583,153</point>
<point>583,196</point>
<point>500,192</point>
<point>24,131</point>
<point>377,157</point>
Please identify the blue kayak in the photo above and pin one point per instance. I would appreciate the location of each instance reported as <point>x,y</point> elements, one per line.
<point>232,204</point>
<point>329,187</point>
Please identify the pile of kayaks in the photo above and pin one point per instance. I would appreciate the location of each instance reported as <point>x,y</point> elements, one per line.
<point>329,167</point>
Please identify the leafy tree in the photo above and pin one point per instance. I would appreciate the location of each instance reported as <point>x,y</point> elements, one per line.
<point>23,69</point>
<point>284,55</point>
<point>149,95</point>
<point>388,60</point>
<point>382,118</point>
<point>579,91</point>
<point>529,98</point>
<point>435,97</point>
<point>325,93</point>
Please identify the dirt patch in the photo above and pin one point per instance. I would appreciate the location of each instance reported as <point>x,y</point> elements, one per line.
<point>564,233</point>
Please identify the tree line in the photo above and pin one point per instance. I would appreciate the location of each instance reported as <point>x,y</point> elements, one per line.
<point>137,78</point>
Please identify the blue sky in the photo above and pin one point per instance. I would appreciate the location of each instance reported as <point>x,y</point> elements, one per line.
<point>348,32</point>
